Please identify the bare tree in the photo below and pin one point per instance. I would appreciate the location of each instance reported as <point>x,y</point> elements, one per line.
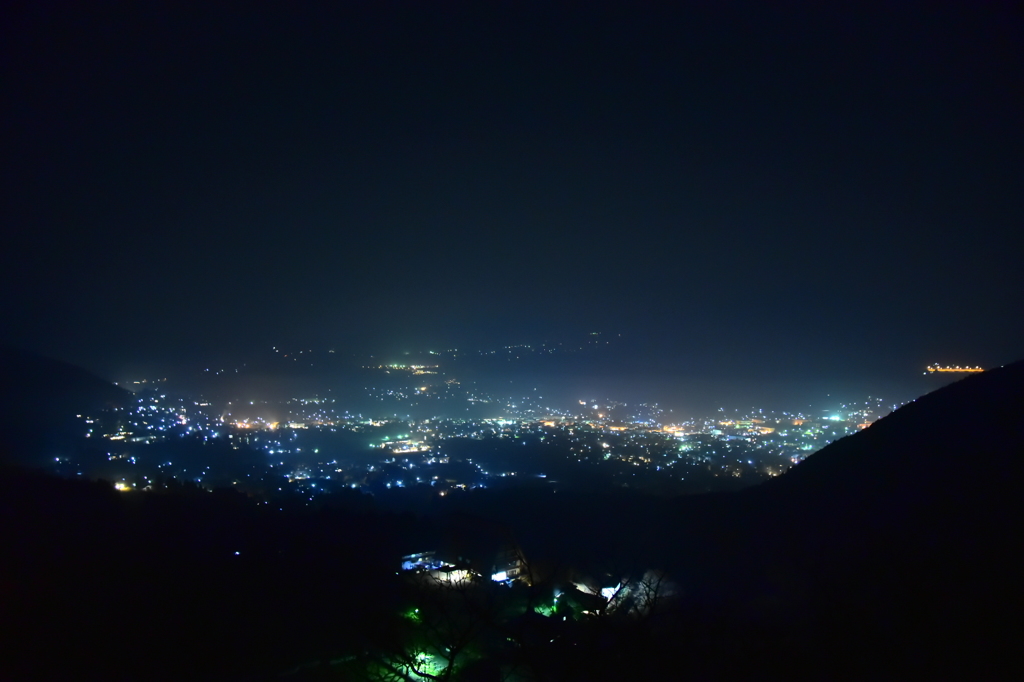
<point>649,592</point>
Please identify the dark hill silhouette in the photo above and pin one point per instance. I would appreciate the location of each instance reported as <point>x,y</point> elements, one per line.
<point>962,437</point>
<point>40,398</point>
<point>32,382</point>
<point>896,546</point>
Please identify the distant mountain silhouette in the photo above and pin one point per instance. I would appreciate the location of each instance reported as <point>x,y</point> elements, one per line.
<point>41,396</point>
<point>32,383</point>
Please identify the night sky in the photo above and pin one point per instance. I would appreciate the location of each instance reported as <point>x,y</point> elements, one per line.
<point>757,190</point>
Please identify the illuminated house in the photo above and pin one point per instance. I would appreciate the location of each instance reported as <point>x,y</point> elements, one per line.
<point>509,565</point>
<point>478,547</point>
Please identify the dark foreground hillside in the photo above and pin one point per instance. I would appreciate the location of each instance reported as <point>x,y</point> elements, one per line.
<point>889,554</point>
<point>896,549</point>
<point>184,582</point>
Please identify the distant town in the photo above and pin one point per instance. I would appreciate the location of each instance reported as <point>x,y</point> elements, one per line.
<point>315,446</point>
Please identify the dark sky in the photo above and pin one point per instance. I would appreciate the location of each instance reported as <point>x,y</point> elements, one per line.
<point>779,187</point>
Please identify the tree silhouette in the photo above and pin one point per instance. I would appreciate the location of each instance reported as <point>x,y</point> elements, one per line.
<point>451,611</point>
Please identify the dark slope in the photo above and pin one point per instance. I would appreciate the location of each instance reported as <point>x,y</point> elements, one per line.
<point>961,440</point>
<point>898,546</point>
<point>39,398</point>
<point>31,380</point>
<point>183,583</point>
